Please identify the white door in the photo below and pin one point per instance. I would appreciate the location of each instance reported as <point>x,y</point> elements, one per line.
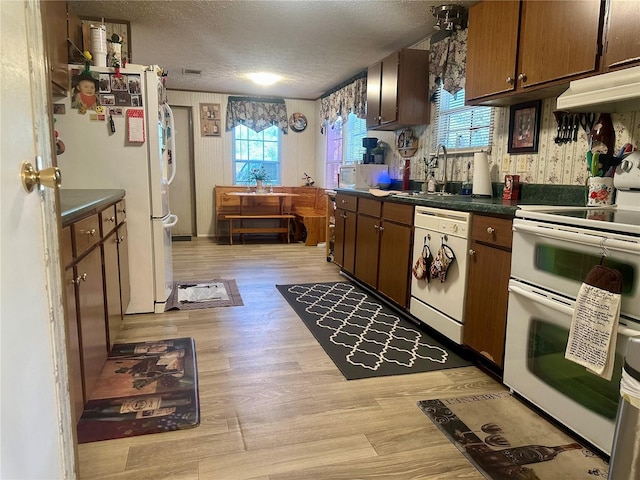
<point>181,191</point>
<point>35,424</point>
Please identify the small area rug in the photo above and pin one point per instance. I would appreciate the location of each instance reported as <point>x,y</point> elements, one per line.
<point>193,294</point>
<point>506,440</point>
<point>363,337</point>
<point>146,387</point>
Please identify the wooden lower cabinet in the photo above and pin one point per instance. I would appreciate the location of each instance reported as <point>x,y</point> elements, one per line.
<point>95,259</point>
<point>91,318</point>
<point>383,255</point>
<point>345,232</point>
<point>487,287</point>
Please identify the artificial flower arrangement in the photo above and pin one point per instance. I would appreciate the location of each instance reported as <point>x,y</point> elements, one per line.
<point>258,174</point>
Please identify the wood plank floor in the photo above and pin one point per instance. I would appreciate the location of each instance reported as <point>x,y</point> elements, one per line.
<point>273,405</point>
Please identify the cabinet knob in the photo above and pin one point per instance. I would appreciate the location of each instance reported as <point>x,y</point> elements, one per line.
<point>343,215</point>
<point>377,227</point>
<point>120,239</point>
<point>510,80</point>
<point>472,252</point>
<point>111,219</point>
<point>343,201</point>
<point>81,278</point>
<point>91,232</point>
<point>522,77</point>
<point>380,229</point>
<point>490,230</point>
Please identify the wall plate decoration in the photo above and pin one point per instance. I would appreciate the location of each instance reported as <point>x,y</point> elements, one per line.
<point>298,122</point>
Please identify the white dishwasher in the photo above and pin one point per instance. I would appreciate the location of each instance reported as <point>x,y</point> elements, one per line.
<point>438,299</point>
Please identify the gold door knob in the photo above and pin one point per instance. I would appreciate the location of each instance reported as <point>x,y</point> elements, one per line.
<point>48,177</point>
<point>522,77</point>
<point>510,80</point>
<point>490,230</point>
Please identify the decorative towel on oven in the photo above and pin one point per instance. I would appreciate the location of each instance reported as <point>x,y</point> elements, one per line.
<point>594,325</point>
<point>441,263</point>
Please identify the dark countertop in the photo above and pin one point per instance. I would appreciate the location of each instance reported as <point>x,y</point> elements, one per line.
<point>76,204</point>
<point>530,194</point>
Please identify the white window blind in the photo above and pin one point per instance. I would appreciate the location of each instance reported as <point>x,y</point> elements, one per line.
<point>354,131</point>
<point>461,128</point>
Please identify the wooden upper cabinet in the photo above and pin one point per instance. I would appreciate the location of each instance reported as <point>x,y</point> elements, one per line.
<point>622,40</point>
<point>557,40</point>
<point>398,90</point>
<point>54,22</point>
<point>492,48</point>
<point>517,47</point>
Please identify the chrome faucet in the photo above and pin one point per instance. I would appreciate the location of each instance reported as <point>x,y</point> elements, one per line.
<point>444,176</point>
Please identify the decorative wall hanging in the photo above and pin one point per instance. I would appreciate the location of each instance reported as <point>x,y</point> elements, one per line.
<point>407,143</point>
<point>297,122</point>
<point>210,120</point>
<point>524,125</point>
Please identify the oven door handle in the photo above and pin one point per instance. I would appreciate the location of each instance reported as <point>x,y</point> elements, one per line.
<point>580,237</point>
<point>559,307</point>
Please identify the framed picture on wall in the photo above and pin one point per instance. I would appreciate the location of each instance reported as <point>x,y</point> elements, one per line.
<point>524,127</point>
<point>210,120</point>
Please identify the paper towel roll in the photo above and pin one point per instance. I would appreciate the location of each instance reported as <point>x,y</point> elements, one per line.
<point>481,178</point>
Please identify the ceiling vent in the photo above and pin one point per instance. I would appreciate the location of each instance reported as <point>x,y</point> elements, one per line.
<point>191,71</point>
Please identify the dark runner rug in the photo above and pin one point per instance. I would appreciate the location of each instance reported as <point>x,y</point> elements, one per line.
<point>363,337</point>
<point>193,294</point>
<point>506,440</point>
<point>146,387</point>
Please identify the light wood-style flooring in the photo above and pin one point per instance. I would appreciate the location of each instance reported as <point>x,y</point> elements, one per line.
<point>273,405</point>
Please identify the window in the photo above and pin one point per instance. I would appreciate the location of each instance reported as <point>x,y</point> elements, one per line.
<point>459,127</point>
<point>253,150</point>
<point>344,146</point>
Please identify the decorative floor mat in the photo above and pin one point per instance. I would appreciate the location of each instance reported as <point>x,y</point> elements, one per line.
<point>363,337</point>
<point>195,294</point>
<point>146,387</point>
<point>506,440</point>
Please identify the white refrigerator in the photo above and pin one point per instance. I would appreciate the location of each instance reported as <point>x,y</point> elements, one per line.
<point>127,144</point>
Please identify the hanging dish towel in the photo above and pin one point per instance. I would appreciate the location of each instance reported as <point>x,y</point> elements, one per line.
<point>442,262</point>
<point>594,324</point>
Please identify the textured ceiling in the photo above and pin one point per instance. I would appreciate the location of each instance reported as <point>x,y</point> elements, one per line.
<point>314,44</point>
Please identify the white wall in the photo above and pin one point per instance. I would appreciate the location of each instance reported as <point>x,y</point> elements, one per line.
<point>212,155</point>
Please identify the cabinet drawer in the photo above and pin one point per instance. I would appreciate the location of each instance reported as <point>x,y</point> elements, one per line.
<point>492,230</point>
<point>370,207</point>
<point>66,247</point>
<point>108,220</point>
<point>346,202</point>
<point>86,233</point>
<point>121,212</point>
<point>398,212</point>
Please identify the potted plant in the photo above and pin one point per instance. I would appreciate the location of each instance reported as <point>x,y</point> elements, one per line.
<point>260,175</point>
<point>378,153</point>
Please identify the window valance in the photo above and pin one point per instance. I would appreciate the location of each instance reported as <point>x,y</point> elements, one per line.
<point>257,113</point>
<point>348,97</point>
<point>448,62</point>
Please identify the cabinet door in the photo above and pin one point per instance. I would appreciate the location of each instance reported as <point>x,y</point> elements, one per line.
<point>557,40</point>
<point>367,240</point>
<point>123,264</point>
<point>491,48</point>
<point>622,42</point>
<point>487,297</point>
<point>93,334</point>
<point>112,287</point>
<point>349,251</point>
<point>54,21</point>
<point>73,342</point>
<point>395,261</point>
<point>389,89</point>
<point>374,79</point>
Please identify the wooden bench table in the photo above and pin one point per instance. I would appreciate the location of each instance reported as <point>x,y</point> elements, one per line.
<point>247,214</point>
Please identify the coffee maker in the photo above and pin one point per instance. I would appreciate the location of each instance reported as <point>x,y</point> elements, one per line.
<point>369,143</point>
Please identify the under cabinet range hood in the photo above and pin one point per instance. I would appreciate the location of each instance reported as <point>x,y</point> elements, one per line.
<point>617,91</point>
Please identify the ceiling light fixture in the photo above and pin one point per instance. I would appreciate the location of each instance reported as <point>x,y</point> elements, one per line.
<point>264,78</point>
<point>449,17</point>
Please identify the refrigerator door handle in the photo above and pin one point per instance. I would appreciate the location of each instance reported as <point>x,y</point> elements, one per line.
<point>171,221</point>
<point>174,166</point>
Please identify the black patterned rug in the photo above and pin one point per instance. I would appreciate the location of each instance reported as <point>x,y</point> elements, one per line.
<point>506,440</point>
<point>363,337</point>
